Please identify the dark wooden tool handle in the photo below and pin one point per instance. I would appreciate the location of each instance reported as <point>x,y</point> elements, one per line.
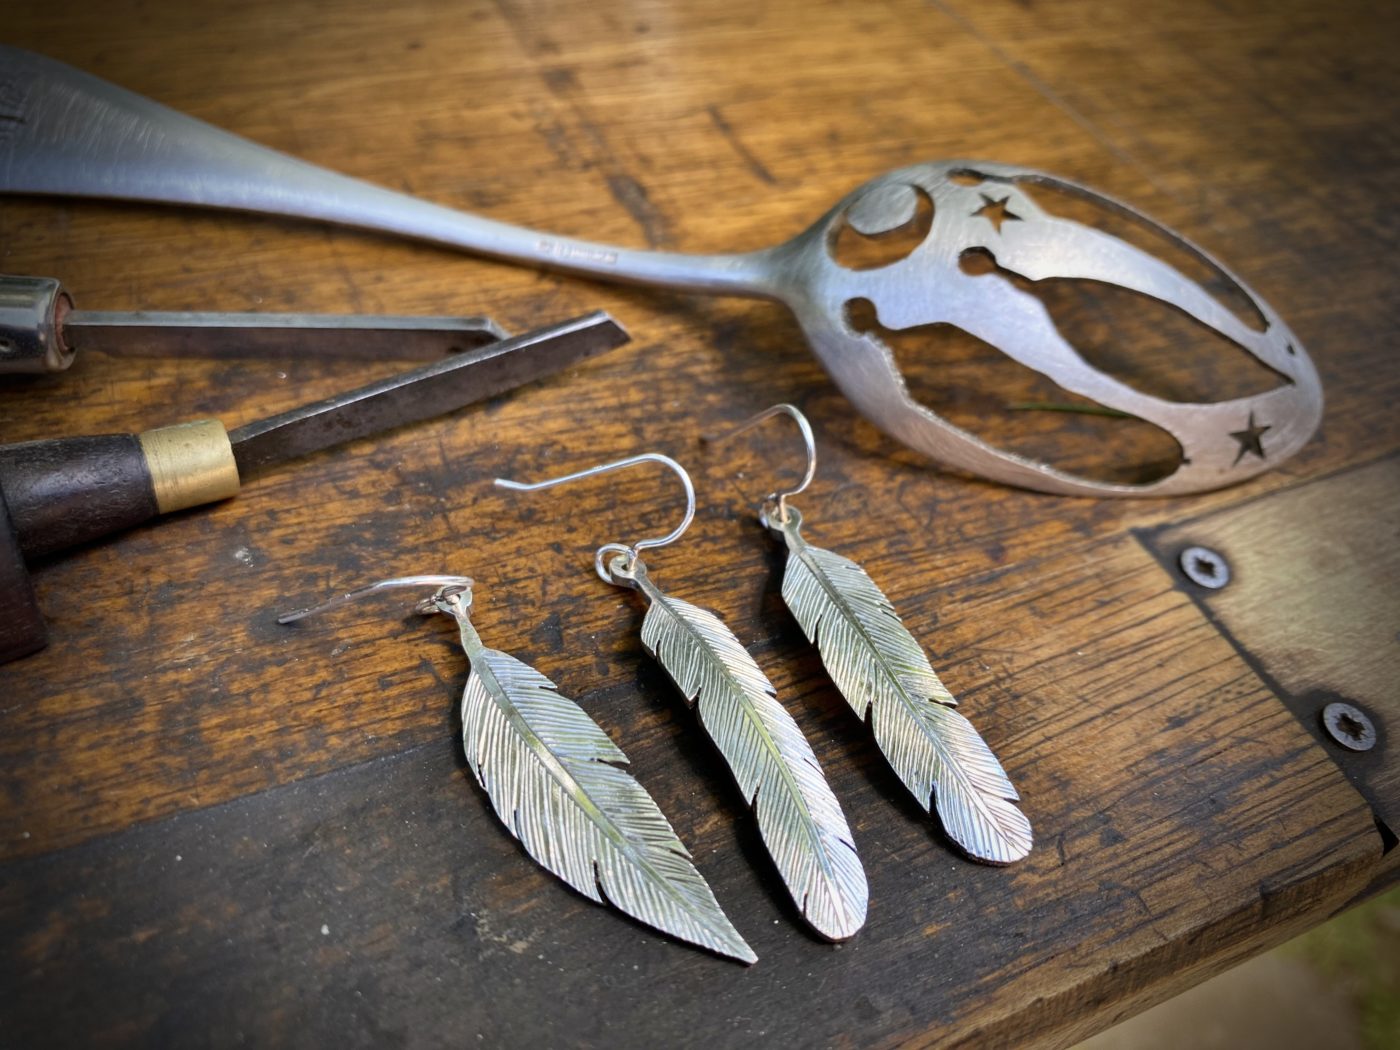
<point>72,490</point>
<point>22,629</point>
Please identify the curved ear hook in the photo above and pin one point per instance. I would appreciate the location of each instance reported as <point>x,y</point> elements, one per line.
<point>606,468</point>
<point>807,440</point>
<point>448,587</point>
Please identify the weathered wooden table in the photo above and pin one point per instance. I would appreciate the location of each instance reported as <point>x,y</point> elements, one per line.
<point>216,830</point>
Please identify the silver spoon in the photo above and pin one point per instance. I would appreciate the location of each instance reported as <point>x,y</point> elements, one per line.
<point>65,132</point>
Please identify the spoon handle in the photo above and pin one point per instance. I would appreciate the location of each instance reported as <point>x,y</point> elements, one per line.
<point>64,132</point>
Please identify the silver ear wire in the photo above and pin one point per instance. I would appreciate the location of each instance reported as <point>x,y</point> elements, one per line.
<point>808,441</point>
<point>631,552</point>
<point>448,587</point>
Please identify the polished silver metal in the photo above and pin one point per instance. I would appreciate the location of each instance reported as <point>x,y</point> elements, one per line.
<point>799,818</point>
<point>552,776</point>
<point>1204,567</point>
<point>74,134</point>
<point>629,550</point>
<point>886,677</point>
<point>1349,726</point>
<point>31,338</point>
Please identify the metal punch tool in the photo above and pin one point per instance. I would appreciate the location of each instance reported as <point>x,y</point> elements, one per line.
<point>41,331</point>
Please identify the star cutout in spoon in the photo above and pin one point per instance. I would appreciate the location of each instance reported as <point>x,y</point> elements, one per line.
<point>995,211</point>
<point>1250,439</point>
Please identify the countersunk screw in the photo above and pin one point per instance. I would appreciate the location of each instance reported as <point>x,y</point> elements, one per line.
<point>1205,567</point>
<point>1349,726</point>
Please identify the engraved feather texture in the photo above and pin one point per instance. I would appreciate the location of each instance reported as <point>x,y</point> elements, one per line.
<point>799,819</point>
<point>547,768</point>
<point>880,668</point>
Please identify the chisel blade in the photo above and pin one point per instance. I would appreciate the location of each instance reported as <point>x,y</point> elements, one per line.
<point>422,393</point>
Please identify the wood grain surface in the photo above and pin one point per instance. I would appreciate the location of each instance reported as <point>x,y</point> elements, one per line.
<point>215,830</point>
<point>1312,604</point>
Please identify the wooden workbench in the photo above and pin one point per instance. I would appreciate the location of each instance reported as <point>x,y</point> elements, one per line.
<point>215,830</point>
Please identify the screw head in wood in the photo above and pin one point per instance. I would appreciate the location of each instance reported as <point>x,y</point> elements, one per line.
<point>1349,726</point>
<point>1204,567</point>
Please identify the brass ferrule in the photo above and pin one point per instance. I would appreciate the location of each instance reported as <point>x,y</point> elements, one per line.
<point>190,464</point>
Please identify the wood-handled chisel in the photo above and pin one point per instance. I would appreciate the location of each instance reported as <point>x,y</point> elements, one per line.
<point>58,493</point>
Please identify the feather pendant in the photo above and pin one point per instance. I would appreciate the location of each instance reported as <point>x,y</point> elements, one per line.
<point>799,819</point>
<point>550,774</point>
<point>882,670</point>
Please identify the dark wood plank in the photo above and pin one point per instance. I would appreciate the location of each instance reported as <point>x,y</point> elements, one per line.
<point>383,903</point>
<point>703,363</point>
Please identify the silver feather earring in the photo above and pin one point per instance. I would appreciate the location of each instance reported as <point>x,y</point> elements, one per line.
<point>552,775</point>
<point>883,673</point>
<point>799,819</point>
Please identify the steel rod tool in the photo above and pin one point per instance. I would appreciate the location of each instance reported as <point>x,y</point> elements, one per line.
<point>40,331</point>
